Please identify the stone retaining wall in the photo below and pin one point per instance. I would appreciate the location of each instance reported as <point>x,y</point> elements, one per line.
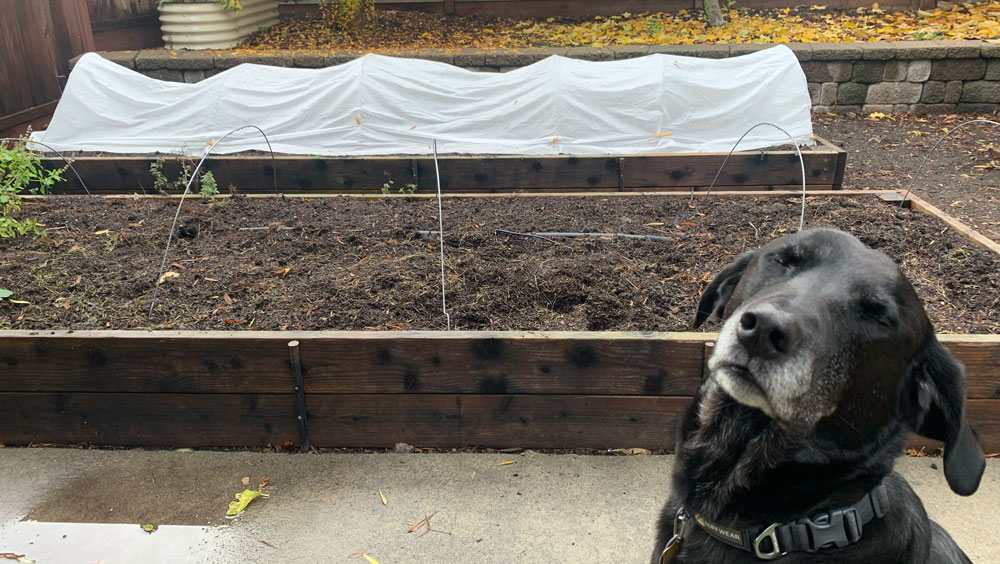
<point>911,76</point>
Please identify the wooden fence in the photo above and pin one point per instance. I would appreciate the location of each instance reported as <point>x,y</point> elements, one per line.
<point>37,40</point>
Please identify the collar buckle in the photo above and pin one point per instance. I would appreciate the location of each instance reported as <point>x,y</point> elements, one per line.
<point>839,528</point>
<point>772,534</point>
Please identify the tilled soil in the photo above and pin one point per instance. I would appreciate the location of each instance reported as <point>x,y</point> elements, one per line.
<point>961,175</point>
<point>349,263</point>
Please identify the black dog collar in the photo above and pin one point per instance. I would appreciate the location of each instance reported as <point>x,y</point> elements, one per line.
<point>834,528</point>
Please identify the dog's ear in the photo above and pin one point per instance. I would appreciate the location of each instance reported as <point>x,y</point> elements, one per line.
<point>716,295</point>
<point>940,397</point>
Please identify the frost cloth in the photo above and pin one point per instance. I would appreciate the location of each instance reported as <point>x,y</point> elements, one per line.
<point>378,105</point>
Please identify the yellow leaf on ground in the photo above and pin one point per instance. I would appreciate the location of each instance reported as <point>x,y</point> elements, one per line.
<point>282,271</point>
<point>505,463</point>
<point>382,497</point>
<point>102,232</point>
<point>243,499</point>
<point>370,559</point>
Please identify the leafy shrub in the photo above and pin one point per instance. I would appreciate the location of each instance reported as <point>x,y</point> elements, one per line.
<point>349,16</point>
<point>20,170</point>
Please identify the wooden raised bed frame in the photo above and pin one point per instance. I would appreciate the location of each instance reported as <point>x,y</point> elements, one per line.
<point>375,389</point>
<point>753,170</point>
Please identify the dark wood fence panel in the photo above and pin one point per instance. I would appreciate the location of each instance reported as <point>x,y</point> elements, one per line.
<point>28,65</point>
<point>121,25</point>
<point>37,39</point>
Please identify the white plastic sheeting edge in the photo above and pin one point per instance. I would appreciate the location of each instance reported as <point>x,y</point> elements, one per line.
<point>378,105</point>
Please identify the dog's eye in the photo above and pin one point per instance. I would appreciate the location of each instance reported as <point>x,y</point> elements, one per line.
<point>787,259</point>
<point>873,308</point>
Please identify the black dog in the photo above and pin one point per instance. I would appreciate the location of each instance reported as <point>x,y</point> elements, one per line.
<point>825,364</point>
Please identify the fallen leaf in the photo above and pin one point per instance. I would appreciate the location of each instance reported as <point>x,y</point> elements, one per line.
<point>265,543</point>
<point>554,139</point>
<point>150,528</point>
<point>227,298</point>
<point>102,232</point>
<point>167,276</point>
<point>282,271</point>
<point>357,119</point>
<point>243,499</point>
<point>263,483</point>
<point>382,497</point>
<point>357,554</point>
<point>664,134</point>
<point>505,463</point>
<point>370,559</point>
<point>246,480</point>
<point>630,451</point>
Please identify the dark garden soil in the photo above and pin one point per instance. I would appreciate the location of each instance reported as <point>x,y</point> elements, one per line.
<point>962,176</point>
<point>348,263</point>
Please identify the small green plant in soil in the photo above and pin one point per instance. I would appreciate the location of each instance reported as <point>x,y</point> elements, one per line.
<point>21,170</point>
<point>208,187</point>
<point>5,293</point>
<point>404,189</point>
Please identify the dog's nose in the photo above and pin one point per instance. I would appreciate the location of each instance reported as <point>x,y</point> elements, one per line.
<point>767,332</point>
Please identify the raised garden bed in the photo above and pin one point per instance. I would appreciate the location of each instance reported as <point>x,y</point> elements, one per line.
<point>362,264</point>
<point>755,170</point>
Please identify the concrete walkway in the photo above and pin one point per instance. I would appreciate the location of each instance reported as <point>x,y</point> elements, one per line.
<point>75,506</point>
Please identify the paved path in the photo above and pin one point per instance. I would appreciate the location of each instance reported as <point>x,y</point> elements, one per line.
<point>76,506</point>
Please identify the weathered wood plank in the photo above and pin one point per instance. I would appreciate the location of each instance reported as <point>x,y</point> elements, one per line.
<point>778,168</point>
<point>981,358</point>
<point>147,419</point>
<point>571,421</point>
<point>390,362</point>
<point>350,362</point>
<point>370,420</point>
<point>467,174</point>
<point>122,362</point>
<point>503,365</point>
<point>366,420</point>
<point>954,223</point>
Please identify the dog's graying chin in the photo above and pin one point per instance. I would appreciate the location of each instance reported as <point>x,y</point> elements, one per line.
<point>826,362</point>
<point>795,392</point>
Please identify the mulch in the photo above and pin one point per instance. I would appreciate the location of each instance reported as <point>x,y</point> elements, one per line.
<point>348,263</point>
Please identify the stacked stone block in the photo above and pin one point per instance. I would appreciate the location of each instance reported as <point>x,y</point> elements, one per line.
<point>910,76</point>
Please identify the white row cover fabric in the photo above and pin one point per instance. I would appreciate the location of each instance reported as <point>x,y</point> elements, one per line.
<point>378,105</point>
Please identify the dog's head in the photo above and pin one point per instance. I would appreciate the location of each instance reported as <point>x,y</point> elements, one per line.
<point>825,335</point>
